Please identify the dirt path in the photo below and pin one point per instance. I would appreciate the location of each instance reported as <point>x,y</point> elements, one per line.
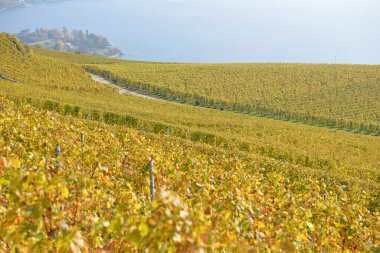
<point>8,79</point>
<point>99,79</point>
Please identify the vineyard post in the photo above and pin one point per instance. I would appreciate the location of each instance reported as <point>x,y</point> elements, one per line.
<point>57,153</point>
<point>168,131</point>
<point>152,190</point>
<point>82,140</point>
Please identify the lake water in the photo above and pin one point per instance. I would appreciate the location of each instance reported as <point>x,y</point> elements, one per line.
<point>317,31</point>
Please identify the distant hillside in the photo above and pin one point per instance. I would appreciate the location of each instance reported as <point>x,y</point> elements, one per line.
<point>9,4</point>
<point>76,41</point>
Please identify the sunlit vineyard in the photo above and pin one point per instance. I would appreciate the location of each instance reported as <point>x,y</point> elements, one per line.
<point>207,199</point>
<point>323,150</point>
<point>225,182</point>
<point>20,63</point>
<point>344,96</point>
<point>76,57</point>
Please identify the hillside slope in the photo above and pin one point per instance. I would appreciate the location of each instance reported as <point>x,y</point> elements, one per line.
<point>224,182</point>
<point>344,96</point>
<point>20,63</point>
<point>345,155</point>
<point>97,197</point>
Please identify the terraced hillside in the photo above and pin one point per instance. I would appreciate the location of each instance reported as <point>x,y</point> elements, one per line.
<point>334,153</point>
<point>224,181</point>
<point>344,96</point>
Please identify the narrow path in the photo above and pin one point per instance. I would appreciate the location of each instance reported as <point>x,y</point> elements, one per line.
<point>8,79</point>
<point>100,79</point>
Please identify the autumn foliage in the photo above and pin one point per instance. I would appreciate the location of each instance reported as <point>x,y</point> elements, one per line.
<point>207,199</point>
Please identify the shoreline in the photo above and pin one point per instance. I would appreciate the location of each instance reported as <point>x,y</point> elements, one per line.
<point>20,5</point>
<point>5,9</point>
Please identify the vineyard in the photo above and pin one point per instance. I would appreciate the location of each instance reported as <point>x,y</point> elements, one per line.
<point>76,57</point>
<point>20,63</point>
<point>321,149</point>
<point>224,182</point>
<point>344,96</point>
<point>207,199</point>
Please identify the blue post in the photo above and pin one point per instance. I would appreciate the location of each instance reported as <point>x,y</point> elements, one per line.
<point>152,190</point>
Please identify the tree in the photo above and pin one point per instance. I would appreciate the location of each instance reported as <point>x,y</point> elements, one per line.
<point>66,35</point>
<point>60,45</point>
<point>54,34</point>
<point>81,35</point>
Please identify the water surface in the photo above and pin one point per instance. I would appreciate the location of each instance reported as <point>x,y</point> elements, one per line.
<point>316,31</point>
